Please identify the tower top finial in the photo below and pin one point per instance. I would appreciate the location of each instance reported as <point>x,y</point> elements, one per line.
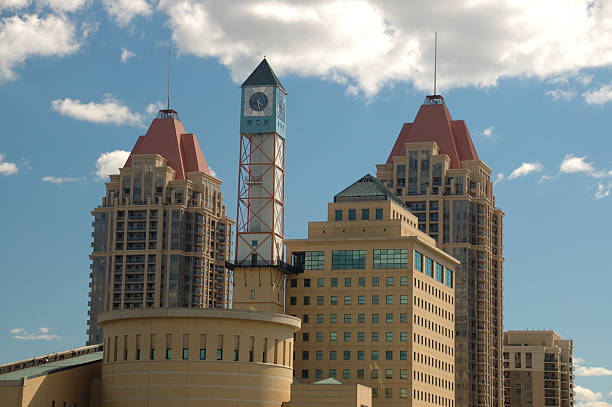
<point>168,107</point>
<point>435,62</point>
<point>263,75</point>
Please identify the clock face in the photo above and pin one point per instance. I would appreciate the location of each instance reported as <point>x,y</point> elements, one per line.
<point>280,110</point>
<point>258,101</point>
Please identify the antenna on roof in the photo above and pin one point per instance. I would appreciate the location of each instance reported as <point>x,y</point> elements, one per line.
<point>168,77</point>
<point>435,60</point>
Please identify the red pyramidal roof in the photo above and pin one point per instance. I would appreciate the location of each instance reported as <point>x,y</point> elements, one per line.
<point>433,122</point>
<point>166,136</point>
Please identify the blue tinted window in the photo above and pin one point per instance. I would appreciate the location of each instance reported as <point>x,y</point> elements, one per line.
<point>338,215</point>
<point>439,273</point>
<point>314,260</point>
<point>428,267</point>
<point>390,258</point>
<point>348,259</point>
<point>418,261</point>
<point>449,278</point>
<point>352,214</point>
<point>379,213</point>
<point>365,214</point>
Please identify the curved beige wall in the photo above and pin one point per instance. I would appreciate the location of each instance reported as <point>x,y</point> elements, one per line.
<point>127,381</point>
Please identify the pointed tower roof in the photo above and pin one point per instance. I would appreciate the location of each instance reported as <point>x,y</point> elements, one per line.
<point>166,136</point>
<point>263,75</point>
<point>433,122</point>
<point>367,188</point>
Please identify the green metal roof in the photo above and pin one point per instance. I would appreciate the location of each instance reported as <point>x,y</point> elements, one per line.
<point>329,380</point>
<point>263,75</point>
<point>51,367</point>
<point>367,188</point>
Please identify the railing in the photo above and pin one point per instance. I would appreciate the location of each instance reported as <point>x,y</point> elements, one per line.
<point>285,267</point>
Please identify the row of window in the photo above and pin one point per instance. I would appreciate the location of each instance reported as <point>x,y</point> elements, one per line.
<point>432,380</point>
<point>433,362</point>
<point>442,275</point>
<point>348,318</point>
<point>433,308</point>
<point>433,344</point>
<point>352,259</point>
<point>346,355</point>
<point>348,282</point>
<point>348,300</point>
<point>432,326</point>
<point>352,214</point>
<point>348,336</point>
<point>428,288</point>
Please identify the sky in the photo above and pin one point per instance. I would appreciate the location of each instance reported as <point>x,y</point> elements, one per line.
<point>80,80</point>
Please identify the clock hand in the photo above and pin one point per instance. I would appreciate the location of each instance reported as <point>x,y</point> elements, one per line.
<point>258,105</point>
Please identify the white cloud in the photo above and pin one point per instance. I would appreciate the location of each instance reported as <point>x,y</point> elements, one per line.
<point>560,94</point>
<point>499,178</point>
<point>60,180</point>
<point>578,360</point>
<point>212,172</point>
<point>40,334</point>
<point>154,107</point>
<point>593,371</point>
<point>598,96</point>
<point>13,4</point>
<point>126,54</point>
<point>64,5</point>
<point>602,191</point>
<point>7,168</point>
<point>109,111</point>
<point>22,37</point>
<point>367,44</point>
<point>488,132</point>
<point>122,11</point>
<point>109,163</point>
<point>587,398</point>
<point>526,169</point>
<point>572,165</point>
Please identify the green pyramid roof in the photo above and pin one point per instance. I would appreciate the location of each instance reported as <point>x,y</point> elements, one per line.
<point>367,188</point>
<point>263,75</point>
<point>329,380</point>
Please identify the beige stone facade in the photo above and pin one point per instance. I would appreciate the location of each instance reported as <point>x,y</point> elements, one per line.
<point>329,393</point>
<point>159,242</point>
<point>456,206</point>
<point>376,300</point>
<point>538,369</point>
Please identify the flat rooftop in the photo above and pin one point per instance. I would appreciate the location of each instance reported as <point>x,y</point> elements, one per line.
<point>51,367</point>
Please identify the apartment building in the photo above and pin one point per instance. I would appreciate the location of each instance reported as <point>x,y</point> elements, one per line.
<point>435,170</point>
<point>538,369</point>
<point>376,299</point>
<point>161,236</point>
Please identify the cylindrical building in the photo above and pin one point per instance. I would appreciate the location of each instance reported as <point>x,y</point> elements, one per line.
<point>194,357</point>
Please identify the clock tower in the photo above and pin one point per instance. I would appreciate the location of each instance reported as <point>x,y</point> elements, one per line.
<point>259,268</point>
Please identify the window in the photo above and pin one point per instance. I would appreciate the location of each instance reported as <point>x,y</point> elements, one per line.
<point>347,337</point>
<point>332,372</point>
<point>390,258</point>
<point>202,354</point>
<point>185,353</point>
<point>360,373</point>
<point>319,355</point>
<point>333,300</point>
<point>306,283</point>
<point>319,318</point>
<point>168,353</point>
<point>346,355</point>
<point>320,300</point>
<point>332,336</point>
<point>347,318</point>
<point>219,354</point>
<point>439,273</point>
<point>375,300</point>
<point>346,373</point>
<point>305,355</point>
<point>388,373</point>
<point>389,299</point>
<point>374,375</point>
<point>314,260</point>
<point>304,373</point>
<point>352,214</point>
<point>332,355</point>
<point>333,318</point>
<point>361,282</point>
<point>374,318</point>
<point>403,355</point>
<point>403,373</point>
<point>347,300</point>
<point>305,336</point>
<point>403,299</point>
<point>449,278</point>
<point>306,318</point>
<point>320,282</point>
<point>375,391</point>
<point>360,336</point>
<point>334,282</point>
<point>418,261</point>
<point>292,300</point>
<point>361,318</point>
<point>389,355</point>
<point>319,336</point>
<point>293,282</point>
<point>375,281</point>
<point>403,393</point>
<point>307,300</point>
<point>379,213</point>
<point>348,259</point>
<point>361,299</point>
<point>318,373</point>
<point>389,337</point>
<point>374,355</point>
<point>403,336</point>
<point>428,267</point>
<point>338,214</point>
<point>403,317</point>
<point>403,281</point>
<point>389,318</point>
<point>365,214</point>
<point>360,355</point>
<point>389,281</point>
<point>374,336</point>
<point>347,282</point>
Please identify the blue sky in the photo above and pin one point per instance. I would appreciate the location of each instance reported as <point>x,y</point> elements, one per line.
<point>80,80</point>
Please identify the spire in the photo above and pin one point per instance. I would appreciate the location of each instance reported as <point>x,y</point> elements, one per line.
<point>433,122</point>
<point>263,75</point>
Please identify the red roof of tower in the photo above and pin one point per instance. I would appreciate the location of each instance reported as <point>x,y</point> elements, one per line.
<point>166,136</point>
<point>433,122</point>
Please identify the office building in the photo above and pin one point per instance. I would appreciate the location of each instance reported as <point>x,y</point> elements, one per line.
<point>376,300</point>
<point>161,235</point>
<point>434,169</point>
<point>538,369</point>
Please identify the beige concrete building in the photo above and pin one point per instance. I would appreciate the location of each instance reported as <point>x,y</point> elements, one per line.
<point>538,369</point>
<point>161,235</point>
<point>435,170</point>
<point>330,393</point>
<point>376,301</point>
